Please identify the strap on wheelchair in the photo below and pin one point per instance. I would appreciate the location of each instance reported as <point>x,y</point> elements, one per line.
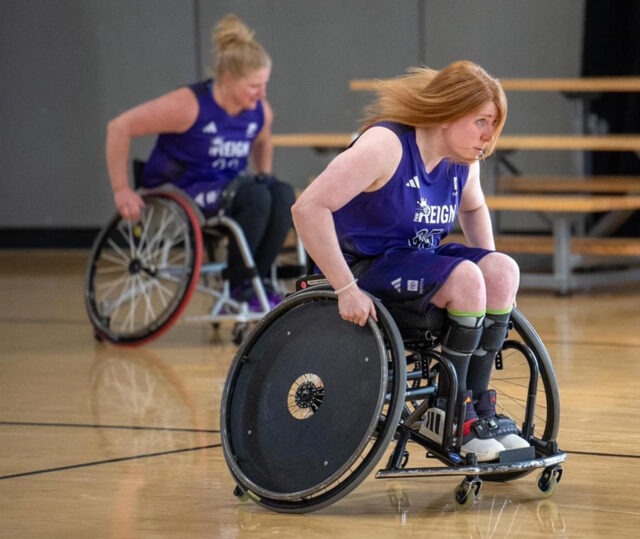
<point>461,339</point>
<point>493,336</point>
<point>239,273</point>
<point>416,315</point>
<point>490,427</point>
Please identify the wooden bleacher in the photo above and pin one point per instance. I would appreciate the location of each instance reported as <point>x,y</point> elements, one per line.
<point>568,184</point>
<point>553,84</point>
<point>569,251</point>
<point>612,143</point>
<point>538,244</point>
<point>564,200</point>
<point>564,208</point>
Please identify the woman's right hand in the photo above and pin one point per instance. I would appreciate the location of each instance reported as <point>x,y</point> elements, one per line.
<point>355,306</point>
<point>129,203</point>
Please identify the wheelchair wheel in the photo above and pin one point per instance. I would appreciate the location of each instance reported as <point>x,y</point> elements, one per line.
<point>310,403</point>
<point>512,382</point>
<point>141,275</point>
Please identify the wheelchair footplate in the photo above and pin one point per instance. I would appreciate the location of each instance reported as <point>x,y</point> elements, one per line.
<point>487,468</point>
<point>511,464</point>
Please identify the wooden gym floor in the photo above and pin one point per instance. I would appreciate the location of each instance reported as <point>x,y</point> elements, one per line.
<point>100,441</point>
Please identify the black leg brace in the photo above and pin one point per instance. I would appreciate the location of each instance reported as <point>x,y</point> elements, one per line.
<point>458,343</point>
<point>496,327</point>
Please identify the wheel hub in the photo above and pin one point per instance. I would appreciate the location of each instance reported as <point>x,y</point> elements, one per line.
<point>309,396</point>
<point>305,396</point>
<point>135,266</point>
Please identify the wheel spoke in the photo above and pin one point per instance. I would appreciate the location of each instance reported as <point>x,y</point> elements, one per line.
<point>143,273</point>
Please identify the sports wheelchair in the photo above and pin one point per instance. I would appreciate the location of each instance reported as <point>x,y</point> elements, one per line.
<point>311,404</point>
<point>141,275</point>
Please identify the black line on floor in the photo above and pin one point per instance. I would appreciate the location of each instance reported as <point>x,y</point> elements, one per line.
<point>97,426</point>
<point>214,431</point>
<point>547,342</point>
<point>46,321</point>
<point>599,454</point>
<point>108,461</point>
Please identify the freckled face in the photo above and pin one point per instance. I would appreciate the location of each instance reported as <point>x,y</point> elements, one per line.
<point>467,137</point>
<point>250,89</point>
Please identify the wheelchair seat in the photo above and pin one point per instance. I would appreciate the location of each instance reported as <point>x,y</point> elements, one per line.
<point>311,403</point>
<point>410,320</point>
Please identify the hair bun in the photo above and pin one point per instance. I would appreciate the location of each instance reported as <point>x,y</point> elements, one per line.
<point>231,30</point>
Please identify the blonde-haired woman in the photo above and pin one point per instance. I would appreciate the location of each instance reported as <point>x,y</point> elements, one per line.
<point>376,217</point>
<point>209,134</point>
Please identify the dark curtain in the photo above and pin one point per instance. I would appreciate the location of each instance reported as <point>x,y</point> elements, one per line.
<point>612,48</point>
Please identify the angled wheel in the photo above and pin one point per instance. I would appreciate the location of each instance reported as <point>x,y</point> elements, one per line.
<point>310,403</point>
<point>141,275</point>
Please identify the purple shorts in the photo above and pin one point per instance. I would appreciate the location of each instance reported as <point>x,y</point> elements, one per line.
<point>407,274</point>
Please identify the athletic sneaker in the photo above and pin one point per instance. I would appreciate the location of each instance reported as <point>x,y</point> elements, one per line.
<point>273,299</point>
<point>506,430</point>
<point>246,293</point>
<point>243,292</point>
<point>485,448</point>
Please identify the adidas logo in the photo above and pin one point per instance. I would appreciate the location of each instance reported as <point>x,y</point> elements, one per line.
<point>397,284</point>
<point>413,182</point>
<point>252,128</point>
<point>210,128</point>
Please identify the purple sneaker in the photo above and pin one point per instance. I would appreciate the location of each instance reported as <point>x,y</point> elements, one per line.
<point>243,292</point>
<point>273,299</point>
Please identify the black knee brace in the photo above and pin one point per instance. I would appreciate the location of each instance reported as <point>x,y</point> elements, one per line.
<point>462,339</point>
<point>493,336</point>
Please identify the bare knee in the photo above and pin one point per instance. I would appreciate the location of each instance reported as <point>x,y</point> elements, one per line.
<point>464,290</point>
<point>502,278</point>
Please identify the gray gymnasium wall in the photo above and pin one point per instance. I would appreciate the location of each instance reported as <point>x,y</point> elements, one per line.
<point>70,65</point>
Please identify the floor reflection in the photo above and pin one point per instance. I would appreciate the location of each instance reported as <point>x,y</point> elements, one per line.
<point>492,515</point>
<point>144,414</point>
<point>133,389</point>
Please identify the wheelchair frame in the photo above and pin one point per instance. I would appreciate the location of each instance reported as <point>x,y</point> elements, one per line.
<point>141,275</point>
<point>288,462</point>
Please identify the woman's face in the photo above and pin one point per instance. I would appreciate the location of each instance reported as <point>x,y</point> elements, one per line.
<point>250,89</point>
<point>468,137</point>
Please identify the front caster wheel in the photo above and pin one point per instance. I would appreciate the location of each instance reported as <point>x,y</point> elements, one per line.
<point>466,493</point>
<point>548,480</point>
